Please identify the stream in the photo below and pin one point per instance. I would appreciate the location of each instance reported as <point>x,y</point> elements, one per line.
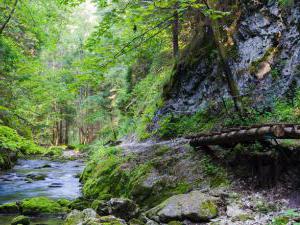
<point>33,178</point>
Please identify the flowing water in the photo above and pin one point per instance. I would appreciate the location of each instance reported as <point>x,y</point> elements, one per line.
<point>32,178</point>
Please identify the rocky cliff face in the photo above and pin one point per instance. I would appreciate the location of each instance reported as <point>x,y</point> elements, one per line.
<point>264,57</point>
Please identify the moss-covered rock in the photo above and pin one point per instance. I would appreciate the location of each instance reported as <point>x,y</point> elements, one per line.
<point>41,205</point>
<point>80,204</point>
<point>9,208</point>
<point>195,206</point>
<point>36,177</point>
<point>99,206</point>
<point>136,222</point>
<point>111,220</point>
<point>90,217</point>
<point>64,202</point>
<point>175,223</point>
<point>21,220</point>
<point>74,217</point>
<point>148,178</point>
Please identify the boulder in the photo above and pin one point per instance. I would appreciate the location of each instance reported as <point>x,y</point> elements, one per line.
<point>41,205</point>
<point>9,208</point>
<point>195,206</point>
<point>63,202</point>
<point>21,220</point>
<point>79,217</point>
<point>80,204</point>
<point>111,220</point>
<point>122,208</point>
<point>90,217</point>
<point>100,207</point>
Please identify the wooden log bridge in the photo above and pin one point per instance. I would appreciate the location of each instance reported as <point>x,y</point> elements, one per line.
<point>232,136</point>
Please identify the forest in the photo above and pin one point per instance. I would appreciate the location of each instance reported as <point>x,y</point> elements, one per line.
<point>149,112</point>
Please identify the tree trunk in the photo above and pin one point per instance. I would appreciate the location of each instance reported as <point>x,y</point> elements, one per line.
<point>67,133</point>
<point>9,17</point>
<point>244,134</point>
<point>175,32</point>
<point>61,134</point>
<point>232,85</point>
<point>57,134</point>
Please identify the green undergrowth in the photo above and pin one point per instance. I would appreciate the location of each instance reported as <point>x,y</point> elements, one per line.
<point>12,146</point>
<point>284,110</point>
<point>177,125</point>
<point>287,217</point>
<point>12,141</point>
<point>137,104</point>
<point>217,176</point>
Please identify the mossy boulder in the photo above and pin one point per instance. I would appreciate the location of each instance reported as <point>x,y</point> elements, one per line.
<point>74,217</point>
<point>90,217</point>
<point>21,220</point>
<point>64,202</point>
<point>111,220</point>
<point>41,205</point>
<point>80,204</point>
<point>148,178</point>
<point>175,223</point>
<point>195,206</point>
<point>136,222</point>
<point>101,207</point>
<point>9,208</point>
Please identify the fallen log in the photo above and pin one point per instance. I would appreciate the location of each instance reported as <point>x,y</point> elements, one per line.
<point>253,133</point>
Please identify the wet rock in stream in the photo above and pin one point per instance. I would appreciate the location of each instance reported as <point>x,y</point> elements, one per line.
<point>36,177</point>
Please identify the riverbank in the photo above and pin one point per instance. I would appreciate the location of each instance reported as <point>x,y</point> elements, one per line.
<point>40,188</point>
<point>166,182</point>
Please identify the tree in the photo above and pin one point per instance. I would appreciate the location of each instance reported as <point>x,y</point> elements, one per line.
<point>9,17</point>
<point>215,26</point>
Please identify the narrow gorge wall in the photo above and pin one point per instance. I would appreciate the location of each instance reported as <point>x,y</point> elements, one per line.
<point>264,58</point>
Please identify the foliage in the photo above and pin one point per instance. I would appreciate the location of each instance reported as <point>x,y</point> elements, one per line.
<point>178,125</point>
<point>286,2</point>
<point>69,80</point>
<point>216,175</point>
<point>11,140</point>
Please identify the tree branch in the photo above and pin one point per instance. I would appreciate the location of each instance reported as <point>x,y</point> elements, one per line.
<point>9,17</point>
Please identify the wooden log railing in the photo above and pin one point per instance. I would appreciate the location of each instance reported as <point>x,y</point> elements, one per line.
<point>241,134</point>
